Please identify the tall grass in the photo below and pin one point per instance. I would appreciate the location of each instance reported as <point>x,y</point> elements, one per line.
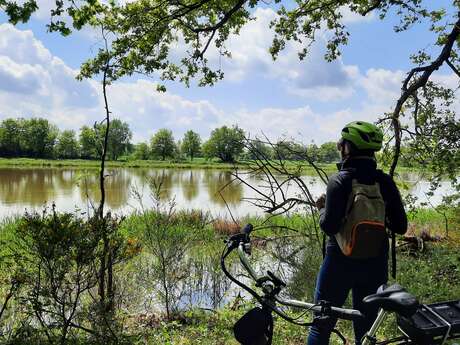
<point>432,274</point>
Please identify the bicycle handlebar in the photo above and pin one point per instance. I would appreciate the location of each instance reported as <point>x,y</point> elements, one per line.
<point>322,307</point>
<point>271,285</point>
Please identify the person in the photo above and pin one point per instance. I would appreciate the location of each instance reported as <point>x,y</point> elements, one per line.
<point>340,273</point>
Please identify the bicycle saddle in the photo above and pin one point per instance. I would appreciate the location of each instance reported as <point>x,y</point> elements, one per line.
<point>393,298</point>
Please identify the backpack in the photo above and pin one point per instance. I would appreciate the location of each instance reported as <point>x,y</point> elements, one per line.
<point>362,233</point>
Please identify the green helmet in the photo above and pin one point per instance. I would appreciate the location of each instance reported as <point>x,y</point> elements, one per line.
<point>364,135</point>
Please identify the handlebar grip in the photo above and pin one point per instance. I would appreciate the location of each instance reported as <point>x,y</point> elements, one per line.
<point>247,229</point>
<point>347,314</point>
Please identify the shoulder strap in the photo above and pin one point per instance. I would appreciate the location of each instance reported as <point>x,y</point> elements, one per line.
<point>324,245</point>
<point>393,235</point>
<point>393,254</point>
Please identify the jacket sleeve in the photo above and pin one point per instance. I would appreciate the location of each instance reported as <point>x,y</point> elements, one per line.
<point>332,214</point>
<point>396,219</point>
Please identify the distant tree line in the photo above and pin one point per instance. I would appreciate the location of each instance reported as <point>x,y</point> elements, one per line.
<point>38,138</point>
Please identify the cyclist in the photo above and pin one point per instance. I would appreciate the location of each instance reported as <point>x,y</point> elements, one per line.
<point>340,272</point>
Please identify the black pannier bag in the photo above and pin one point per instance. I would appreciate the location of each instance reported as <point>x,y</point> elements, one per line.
<point>433,323</point>
<point>255,327</point>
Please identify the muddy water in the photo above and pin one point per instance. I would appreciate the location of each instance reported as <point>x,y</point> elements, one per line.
<point>127,189</point>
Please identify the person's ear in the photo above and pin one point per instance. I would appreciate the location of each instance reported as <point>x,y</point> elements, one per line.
<point>346,149</point>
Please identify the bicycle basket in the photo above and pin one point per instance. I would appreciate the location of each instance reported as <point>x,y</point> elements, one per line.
<point>433,323</point>
<point>254,328</point>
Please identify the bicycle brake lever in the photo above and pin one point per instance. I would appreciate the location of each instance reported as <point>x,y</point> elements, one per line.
<point>277,281</point>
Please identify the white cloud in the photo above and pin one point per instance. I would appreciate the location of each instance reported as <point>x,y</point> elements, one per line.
<point>382,86</point>
<point>21,46</point>
<point>309,78</point>
<point>18,78</point>
<point>33,82</point>
<point>350,17</point>
<point>146,110</point>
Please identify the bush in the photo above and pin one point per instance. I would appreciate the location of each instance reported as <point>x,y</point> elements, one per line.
<point>57,253</point>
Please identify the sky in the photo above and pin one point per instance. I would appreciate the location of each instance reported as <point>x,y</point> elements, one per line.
<point>309,100</point>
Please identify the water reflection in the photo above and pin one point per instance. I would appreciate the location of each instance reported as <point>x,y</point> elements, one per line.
<point>33,187</point>
<point>189,183</point>
<point>197,188</point>
<point>221,189</point>
<point>117,187</point>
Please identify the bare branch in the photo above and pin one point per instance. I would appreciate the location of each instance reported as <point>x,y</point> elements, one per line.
<point>409,89</point>
<point>450,64</point>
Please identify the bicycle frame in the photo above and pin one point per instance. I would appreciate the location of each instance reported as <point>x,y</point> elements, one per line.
<point>348,314</point>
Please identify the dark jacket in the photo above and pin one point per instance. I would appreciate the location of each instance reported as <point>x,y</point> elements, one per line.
<point>339,188</point>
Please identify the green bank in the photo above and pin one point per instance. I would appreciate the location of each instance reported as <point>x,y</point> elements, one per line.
<point>177,254</point>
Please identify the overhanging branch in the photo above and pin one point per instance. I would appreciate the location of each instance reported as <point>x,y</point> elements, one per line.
<point>409,89</point>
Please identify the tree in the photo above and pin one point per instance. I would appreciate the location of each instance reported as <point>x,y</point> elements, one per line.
<point>225,143</point>
<point>11,132</point>
<point>257,149</point>
<point>67,145</point>
<point>119,138</point>
<point>39,138</point>
<point>92,140</point>
<point>313,152</point>
<point>209,23</point>
<point>162,144</point>
<point>57,253</point>
<point>143,33</point>
<point>328,153</point>
<point>88,143</point>
<point>141,151</point>
<point>290,150</point>
<point>191,144</point>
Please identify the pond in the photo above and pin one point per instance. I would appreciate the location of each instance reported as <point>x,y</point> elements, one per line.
<point>72,188</point>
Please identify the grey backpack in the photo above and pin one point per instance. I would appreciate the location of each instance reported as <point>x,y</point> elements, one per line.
<point>363,229</point>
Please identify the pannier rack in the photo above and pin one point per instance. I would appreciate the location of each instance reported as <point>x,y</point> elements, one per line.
<point>433,323</point>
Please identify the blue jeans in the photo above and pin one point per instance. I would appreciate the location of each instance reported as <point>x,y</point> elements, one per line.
<point>337,276</point>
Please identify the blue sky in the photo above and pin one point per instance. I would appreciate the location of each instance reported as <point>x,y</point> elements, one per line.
<point>309,100</point>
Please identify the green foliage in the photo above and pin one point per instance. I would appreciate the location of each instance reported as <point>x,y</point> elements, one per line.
<point>432,275</point>
<point>163,23</point>
<point>168,237</point>
<point>290,150</point>
<point>431,141</point>
<point>162,144</point>
<point>51,262</point>
<point>34,137</point>
<point>18,11</point>
<point>11,132</point>
<point>92,139</point>
<point>67,145</point>
<point>88,143</point>
<point>57,253</point>
<point>38,138</point>
<point>191,144</point>
<point>257,149</point>
<point>328,153</point>
<point>141,151</point>
<point>119,138</point>
<point>225,143</point>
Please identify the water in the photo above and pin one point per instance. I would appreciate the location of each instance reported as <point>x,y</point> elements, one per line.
<point>71,189</point>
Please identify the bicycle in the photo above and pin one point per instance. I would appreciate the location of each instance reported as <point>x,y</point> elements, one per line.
<point>424,324</point>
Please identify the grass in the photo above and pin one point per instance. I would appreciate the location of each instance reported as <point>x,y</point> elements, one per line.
<point>201,163</point>
<point>432,275</point>
<point>82,163</point>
